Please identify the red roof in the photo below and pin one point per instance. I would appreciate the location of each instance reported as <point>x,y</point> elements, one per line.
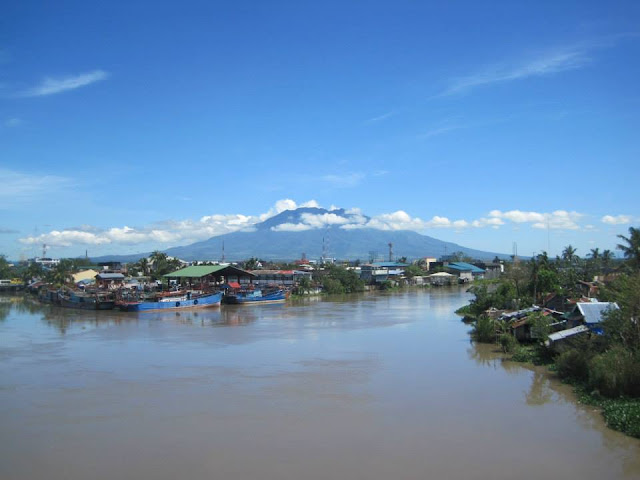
<point>234,284</point>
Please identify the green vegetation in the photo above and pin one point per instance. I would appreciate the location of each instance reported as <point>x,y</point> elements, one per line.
<point>335,279</point>
<point>605,369</point>
<point>484,330</point>
<point>5,269</point>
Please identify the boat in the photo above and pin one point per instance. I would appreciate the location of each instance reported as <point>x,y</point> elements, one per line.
<point>254,297</point>
<point>87,300</point>
<point>171,301</point>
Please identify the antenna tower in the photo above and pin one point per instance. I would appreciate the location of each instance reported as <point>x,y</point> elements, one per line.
<point>390,252</point>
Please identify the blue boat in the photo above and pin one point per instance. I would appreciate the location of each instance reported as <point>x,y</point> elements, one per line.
<point>254,297</point>
<point>172,302</point>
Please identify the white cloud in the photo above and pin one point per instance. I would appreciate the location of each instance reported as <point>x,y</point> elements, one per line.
<point>617,219</point>
<point>379,118</point>
<point>558,60</point>
<point>13,122</point>
<point>310,204</point>
<point>518,216</point>
<point>291,227</point>
<point>51,86</point>
<point>558,220</point>
<point>399,220</point>
<point>434,132</point>
<point>168,233</point>
<point>493,222</point>
<point>18,187</point>
<point>324,219</point>
<point>346,180</point>
<point>181,232</point>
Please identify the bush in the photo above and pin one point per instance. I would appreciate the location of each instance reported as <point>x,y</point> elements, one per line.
<point>333,286</point>
<point>573,365</point>
<point>508,343</point>
<point>523,354</point>
<point>615,373</point>
<point>484,330</point>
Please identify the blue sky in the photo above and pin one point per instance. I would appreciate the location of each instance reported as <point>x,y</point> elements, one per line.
<point>126,127</point>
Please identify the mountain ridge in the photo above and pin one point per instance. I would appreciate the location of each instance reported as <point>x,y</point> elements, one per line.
<point>289,234</point>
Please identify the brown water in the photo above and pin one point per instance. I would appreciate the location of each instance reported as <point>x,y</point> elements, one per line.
<point>368,387</point>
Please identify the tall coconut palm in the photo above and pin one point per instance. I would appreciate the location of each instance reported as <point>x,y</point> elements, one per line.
<point>569,254</point>
<point>143,265</point>
<point>607,258</point>
<point>593,262</point>
<point>631,250</point>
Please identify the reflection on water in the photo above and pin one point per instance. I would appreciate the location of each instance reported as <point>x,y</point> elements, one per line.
<point>375,386</point>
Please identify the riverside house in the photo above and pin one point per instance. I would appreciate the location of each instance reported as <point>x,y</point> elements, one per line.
<point>379,272</point>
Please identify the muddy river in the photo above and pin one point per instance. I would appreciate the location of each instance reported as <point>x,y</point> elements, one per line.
<point>363,387</point>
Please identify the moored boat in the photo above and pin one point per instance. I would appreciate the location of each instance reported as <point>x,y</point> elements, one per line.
<point>178,301</point>
<point>255,297</point>
<point>87,300</point>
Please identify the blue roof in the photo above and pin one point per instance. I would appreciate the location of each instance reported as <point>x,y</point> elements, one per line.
<point>465,267</point>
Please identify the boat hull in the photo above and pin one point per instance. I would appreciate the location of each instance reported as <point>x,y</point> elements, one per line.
<point>89,305</point>
<point>204,301</point>
<point>240,299</point>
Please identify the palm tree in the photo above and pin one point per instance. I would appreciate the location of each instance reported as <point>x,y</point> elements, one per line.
<point>143,265</point>
<point>631,250</point>
<point>61,273</point>
<point>607,257</point>
<point>569,254</point>
<point>593,263</point>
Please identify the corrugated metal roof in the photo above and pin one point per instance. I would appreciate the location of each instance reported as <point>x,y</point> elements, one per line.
<point>110,276</point>
<point>592,311</point>
<point>441,274</point>
<point>196,271</point>
<point>464,266</point>
<point>554,337</point>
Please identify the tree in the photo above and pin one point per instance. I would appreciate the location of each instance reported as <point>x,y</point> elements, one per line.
<point>144,266</point>
<point>5,269</point>
<point>340,280</point>
<point>631,250</point>
<point>251,264</point>
<point>413,271</point>
<point>624,325</point>
<point>592,265</point>
<point>162,264</point>
<point>518,274</point>
<point>569,255</point>
<point>607,259</point>
<point>33,270</point>
<point>61,273</point>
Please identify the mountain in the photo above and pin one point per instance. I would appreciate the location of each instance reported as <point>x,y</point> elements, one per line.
<point>267,242</point>
<point>291,233</point>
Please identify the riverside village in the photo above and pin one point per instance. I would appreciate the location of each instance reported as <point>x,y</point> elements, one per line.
<point>576,315</point>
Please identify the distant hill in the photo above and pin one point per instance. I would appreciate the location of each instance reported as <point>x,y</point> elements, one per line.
<point>267,242</point>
